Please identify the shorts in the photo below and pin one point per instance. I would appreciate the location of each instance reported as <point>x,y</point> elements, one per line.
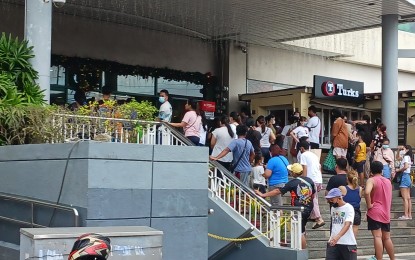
<point>338,251</point>
<point>359,166</point>
<point>276,200</point>
<point>357,217</point>
<point>339,152</point>
<point>260,187</point>
<point>375,225</point>
<point>405,181</point>
<point>386,171</point>
<point>305,215</point>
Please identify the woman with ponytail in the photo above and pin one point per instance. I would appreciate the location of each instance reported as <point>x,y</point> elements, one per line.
<point>352,194</point>
<point>221,138</point>
<point>191,122</point>
<point>267,138</point>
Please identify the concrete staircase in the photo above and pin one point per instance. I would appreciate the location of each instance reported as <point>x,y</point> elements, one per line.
<point>403,231</point>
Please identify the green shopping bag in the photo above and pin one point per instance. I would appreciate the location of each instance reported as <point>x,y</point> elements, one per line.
<point>329,163</point>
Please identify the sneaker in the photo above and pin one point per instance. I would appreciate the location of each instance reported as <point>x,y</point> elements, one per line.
<point>403,218</point>
<point>372,258</point>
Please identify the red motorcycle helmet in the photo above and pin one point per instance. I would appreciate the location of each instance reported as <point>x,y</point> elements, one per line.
<point>91,247</point>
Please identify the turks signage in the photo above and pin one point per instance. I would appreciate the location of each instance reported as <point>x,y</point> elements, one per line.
<point>338,89</point>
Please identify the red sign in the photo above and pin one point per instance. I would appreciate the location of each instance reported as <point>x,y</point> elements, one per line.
<point>207,106</point>
<point>328,88</point>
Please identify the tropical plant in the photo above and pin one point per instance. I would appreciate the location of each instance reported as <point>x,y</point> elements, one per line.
<point>143,110</point>
<point>17,82</point>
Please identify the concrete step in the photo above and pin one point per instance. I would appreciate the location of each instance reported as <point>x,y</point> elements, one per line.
<point>318,253</point>
<point>325,214</point>
<point>324,232</point>
<point>363,240</point>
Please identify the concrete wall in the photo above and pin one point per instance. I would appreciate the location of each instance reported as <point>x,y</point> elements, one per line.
<point>295,68</point>
<point>87,38</point>
<point>363,46</point>
<point>164,187</point>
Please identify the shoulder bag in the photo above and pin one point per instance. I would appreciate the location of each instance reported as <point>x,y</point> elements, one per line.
<point>233,166</point>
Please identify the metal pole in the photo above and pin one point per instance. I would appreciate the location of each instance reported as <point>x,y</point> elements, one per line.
<point>38,32</point>
<point>390,76</point>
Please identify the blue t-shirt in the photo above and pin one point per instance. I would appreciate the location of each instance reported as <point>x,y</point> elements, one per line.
<point>237,147</point>
<point>278,166</point>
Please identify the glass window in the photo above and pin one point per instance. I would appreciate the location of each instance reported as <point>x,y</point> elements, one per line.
<point>182,88</point>
<point>136,85</point>
<point>57,75</point>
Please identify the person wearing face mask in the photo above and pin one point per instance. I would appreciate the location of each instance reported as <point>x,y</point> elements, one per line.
<point>299,133</point>
<point>378,196</point>
<point>267,138</point>
<point>342,243</point>
<point>405,182</point>
<point>386,157</point>
<point>166,110</point>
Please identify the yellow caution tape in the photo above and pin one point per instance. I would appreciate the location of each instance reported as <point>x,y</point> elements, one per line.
<point>247,238</point>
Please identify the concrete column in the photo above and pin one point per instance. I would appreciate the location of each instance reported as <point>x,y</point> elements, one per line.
<point>237,76</point>
<point>38,32</point>
<point>390,76</point>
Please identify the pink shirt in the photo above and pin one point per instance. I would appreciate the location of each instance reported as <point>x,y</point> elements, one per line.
<point>381,196</point>
<point>193,122</point>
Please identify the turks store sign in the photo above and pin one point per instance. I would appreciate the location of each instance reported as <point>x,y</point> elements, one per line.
<point>338,89</point>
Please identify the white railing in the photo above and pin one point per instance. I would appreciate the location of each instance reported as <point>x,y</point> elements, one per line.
<point>281,226</point>
<point>117,130</point>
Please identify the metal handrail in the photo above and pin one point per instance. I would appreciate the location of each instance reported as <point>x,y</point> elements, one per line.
<point>273,223</point>
<point>32,203</point>
<point>241,185</point>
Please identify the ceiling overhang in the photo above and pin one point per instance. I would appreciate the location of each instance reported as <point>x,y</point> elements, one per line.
<point>267,23</point>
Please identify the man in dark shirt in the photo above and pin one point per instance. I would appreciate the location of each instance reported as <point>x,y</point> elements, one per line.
<point>253,136</point>
<point>302,190</point>
<point>340,179</point>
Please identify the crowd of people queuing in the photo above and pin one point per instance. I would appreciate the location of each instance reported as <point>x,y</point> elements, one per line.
<point>263,154</point>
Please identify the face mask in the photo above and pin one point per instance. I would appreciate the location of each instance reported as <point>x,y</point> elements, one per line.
<point>385,146</point>
<point>335,205</point>
<point>161,99</point>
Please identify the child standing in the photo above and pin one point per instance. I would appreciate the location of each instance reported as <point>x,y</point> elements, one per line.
<point>258,173</point>
<point>360,158</point>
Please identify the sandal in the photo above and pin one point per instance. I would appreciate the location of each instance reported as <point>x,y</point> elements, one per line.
<point>318,225</point>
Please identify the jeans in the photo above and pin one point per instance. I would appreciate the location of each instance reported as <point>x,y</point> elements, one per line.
<point>244,177</point>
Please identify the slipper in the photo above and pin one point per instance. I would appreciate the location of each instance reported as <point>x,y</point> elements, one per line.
<point>318,225</point>
<point>403,218</point>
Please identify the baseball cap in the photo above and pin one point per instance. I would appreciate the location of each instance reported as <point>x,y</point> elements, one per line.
<point>334,193</point>
<point>295,168</point>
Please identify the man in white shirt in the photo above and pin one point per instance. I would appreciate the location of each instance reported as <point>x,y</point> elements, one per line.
<point>166,110</point>
<point>314,125</point>
<point>312,169</point>
<point>342,243</point>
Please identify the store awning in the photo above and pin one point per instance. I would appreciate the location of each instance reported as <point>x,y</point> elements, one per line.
<point>341,106</point>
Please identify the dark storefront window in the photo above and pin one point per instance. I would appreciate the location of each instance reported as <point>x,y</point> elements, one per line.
<point>136,85</point>
<point>179,88</point>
